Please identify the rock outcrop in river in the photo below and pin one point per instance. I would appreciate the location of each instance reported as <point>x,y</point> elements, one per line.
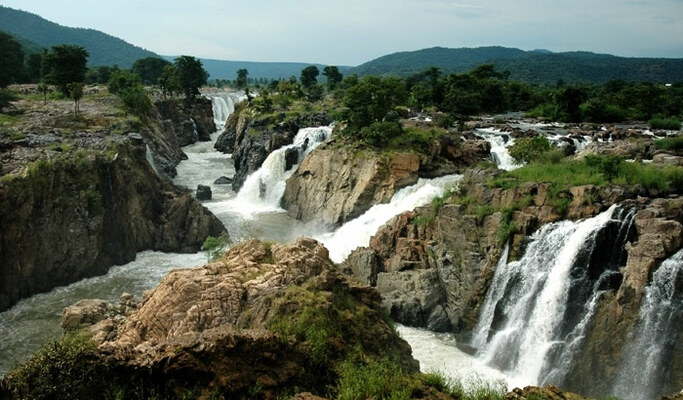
<point>264,318</point>
<point>250,138</point>
<point>433,266</point>
<point>337,183</point>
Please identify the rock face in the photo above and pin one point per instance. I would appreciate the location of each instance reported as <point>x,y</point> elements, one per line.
<point>250,138</point>
<point>337,183</point>
<point>75,216</point>
<point>433,266</point>
<point>193,120</point>
<point>660,234</point>
<point>276,317</point>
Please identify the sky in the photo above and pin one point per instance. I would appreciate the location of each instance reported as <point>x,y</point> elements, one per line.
<point>351,32</point>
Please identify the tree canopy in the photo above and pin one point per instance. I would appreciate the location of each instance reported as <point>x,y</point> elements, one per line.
<point>65,64</point>
<point>11,60</point>
<point>309,76</point>
<point>149,69</point>
<point>241,81</point>
<point>190,74</point>
<point>333,76</point>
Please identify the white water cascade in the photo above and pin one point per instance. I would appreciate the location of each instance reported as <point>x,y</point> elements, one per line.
<point>660,322</point>
<point>537,308</point>
<point>499,141</point>
<point>223,105</point>
<point>357,232</point>
<point>264,188</point>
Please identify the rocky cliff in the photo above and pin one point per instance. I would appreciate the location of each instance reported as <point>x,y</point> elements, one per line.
<point>336,182</point>
<point>264,320</point>
<point>250,137</point>
<point>74,215</point>
<point>433,266</point>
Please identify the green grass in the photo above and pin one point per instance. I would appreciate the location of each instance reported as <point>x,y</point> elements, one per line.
<point>593,170</point>
<point>670,143</point>
<point>673,124</point>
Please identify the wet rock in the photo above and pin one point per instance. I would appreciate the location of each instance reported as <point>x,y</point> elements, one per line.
<point>223,180</point>
<point>203,192</point>
<point>291,158</point>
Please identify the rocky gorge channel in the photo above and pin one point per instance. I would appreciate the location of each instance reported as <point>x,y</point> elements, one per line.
<point>441,268</point>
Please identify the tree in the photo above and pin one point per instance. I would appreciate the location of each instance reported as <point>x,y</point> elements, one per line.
<point>309,76</point>
<point>241,81</point>
<point>122,80</point>
<point>11,60</point>
<point>168,81</point>
<point>372,100</point>
<point>149,69</point>
<point>333,76</point>
<point>191,75</point>
<point>64,64</point>
<point>568,101</point>
<point>34,67</point>
<point>76,94</point>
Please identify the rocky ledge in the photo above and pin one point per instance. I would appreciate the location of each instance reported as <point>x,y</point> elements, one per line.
<point>336,182</point>
<point>264,319</point>
<point>250,137</point>
<point>77,213</point>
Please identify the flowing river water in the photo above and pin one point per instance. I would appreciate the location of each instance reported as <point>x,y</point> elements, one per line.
<point>531,292</point>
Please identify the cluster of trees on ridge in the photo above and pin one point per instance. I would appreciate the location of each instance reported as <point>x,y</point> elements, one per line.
<point>370,106</point>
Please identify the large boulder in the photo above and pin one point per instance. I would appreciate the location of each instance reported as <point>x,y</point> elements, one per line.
<point>274,318</point>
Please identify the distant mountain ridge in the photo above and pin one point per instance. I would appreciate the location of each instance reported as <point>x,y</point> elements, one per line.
<point>223,69</point>
<point>536,66</point>
<point>104,49</point>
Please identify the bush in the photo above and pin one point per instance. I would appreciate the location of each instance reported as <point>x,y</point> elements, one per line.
<point>526,150</point>
<point>215,246</point>
<point>671,143</point>
<point>135,101</point>
<point>63,369</point>
<point>379,133</point>
<point>672,124</point>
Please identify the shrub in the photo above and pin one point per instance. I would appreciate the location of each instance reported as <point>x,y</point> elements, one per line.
<point>135,101</point>
<point>526,150</point>
<point>673,124</point>
<point>670,143</point>
<point>215,246</point>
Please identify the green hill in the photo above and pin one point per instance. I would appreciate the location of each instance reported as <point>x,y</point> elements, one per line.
<point>538,66</point>
<point>104,49</point>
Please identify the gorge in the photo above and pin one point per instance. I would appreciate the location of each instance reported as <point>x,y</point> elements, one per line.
<point>563,301</point>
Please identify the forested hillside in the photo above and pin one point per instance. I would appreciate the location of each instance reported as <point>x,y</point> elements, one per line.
<point>541,67</point>
<point>104,49</point>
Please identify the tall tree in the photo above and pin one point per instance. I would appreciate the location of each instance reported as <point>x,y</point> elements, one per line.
<point>333,76</point>
<point>191,75</point>
<point>11,60</point>
<point>168,81</point>
<point>149,69</point>
<point>241,81</point>
<point>65,64</point>
<point>309,76</point>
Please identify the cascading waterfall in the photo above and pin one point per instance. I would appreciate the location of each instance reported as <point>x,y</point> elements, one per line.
<point>660,321</point>
<point>358,232</point>
<point>536,310</point>
<point>264,188</point>
<point>499,142</point>
<point>224,105</point>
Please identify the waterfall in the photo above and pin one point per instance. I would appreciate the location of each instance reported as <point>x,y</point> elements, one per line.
<point>537,308</point>
<point>358,232</point>
<point>499,142</point>
<point>652,344</point>
<point>264,188</point>
<point>223,105</point>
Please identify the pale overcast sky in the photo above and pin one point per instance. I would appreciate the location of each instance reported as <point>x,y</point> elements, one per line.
<point>350,32</point>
